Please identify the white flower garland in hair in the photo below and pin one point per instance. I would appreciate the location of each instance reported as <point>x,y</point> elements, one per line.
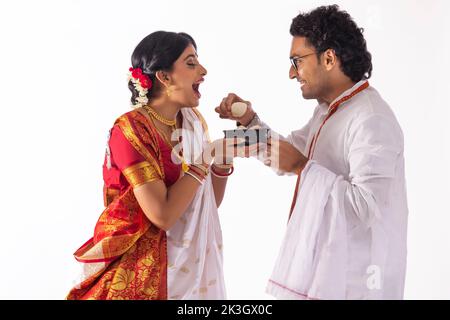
<point>142,83</point>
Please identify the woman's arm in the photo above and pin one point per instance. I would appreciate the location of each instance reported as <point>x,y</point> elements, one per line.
<point>163,206</point>
<point>219,184</point>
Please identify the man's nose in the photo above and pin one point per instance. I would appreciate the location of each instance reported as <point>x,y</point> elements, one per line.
<point>292,73</point>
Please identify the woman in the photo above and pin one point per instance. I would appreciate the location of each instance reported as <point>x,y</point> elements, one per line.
<point>159,236</point>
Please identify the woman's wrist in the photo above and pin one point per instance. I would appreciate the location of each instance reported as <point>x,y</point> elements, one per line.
<point>195,176</point>
<point>204,168</point>
<point>222,170</point>
<point>197,172</point>
<point>221,167</point>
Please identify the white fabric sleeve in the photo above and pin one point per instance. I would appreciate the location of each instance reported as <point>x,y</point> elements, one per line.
<point>375,145</point>
<point>297,138</point>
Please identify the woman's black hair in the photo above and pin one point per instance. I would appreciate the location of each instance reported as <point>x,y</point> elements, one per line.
<point>326,28</point>
<point>158,51</point>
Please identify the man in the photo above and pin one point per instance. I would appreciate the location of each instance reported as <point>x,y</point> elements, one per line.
<point>346,237</point>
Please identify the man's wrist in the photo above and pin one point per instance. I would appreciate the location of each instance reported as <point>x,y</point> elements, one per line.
<point>301,165</point>
<point>252,121</point>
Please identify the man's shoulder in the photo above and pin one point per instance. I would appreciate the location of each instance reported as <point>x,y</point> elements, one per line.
<point>372,112</point>
<point>370,103</point>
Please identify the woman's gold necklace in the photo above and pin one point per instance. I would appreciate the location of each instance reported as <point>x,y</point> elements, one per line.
<point>157,116</point>
<point>171,123</point>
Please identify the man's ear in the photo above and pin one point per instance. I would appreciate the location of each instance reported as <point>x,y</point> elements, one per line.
<point>163,77</point>
<point>330,59</point>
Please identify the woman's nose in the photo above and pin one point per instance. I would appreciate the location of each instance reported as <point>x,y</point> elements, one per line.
<point>203,70</point>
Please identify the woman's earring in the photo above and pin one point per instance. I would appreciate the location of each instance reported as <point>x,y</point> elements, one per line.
<point>169,91</point>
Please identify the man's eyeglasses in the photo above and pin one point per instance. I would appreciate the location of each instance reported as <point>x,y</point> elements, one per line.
<point>295,61</point>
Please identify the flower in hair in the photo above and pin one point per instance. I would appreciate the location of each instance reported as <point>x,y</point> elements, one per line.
<point>142,83</point>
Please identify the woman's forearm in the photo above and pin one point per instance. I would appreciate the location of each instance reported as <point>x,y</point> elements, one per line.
<point>164,206</point>
<point>219,185</point>
<point>179,197</point>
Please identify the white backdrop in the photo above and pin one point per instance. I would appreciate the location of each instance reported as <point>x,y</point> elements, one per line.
<point>63,71</point>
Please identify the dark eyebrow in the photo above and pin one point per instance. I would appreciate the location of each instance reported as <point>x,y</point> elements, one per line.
<point>190,56</point>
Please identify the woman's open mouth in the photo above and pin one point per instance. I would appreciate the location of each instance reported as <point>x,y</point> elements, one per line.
<point>195,87</point>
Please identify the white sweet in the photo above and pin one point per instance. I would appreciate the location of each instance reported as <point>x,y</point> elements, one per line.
<point>238,109</point>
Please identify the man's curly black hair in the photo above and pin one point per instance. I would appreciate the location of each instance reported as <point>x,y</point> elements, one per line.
<point>326,28</point>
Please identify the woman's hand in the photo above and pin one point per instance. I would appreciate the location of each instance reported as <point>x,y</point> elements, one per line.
<point>223,151</point>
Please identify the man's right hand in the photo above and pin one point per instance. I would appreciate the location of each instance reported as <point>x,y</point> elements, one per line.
<point>224,110</point>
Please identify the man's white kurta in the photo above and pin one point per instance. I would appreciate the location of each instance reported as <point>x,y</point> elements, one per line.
<point>346,238</point>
